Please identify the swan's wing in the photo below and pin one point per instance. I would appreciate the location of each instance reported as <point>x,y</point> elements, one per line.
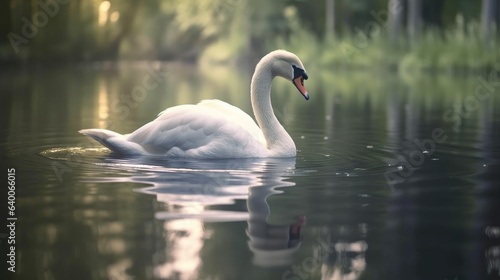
<point>237,115</point>
<point>197,131</point>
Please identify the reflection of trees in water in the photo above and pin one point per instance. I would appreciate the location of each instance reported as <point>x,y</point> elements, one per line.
<point>85,234</point>
<point>339,253</point>
<point>486,227</point>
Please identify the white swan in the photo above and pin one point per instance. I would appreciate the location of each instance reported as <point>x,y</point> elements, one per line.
<point>215,129</point>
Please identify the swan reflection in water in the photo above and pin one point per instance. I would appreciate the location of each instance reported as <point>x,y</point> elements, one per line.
<point>190,189</point>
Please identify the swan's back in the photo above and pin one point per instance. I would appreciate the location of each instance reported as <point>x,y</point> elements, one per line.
<point>205,131</point>
<point>237,115</point>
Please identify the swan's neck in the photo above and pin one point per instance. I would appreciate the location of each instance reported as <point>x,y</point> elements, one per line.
<point>278,141</point>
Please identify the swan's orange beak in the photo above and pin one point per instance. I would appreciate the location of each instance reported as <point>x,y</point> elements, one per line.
<point>299,84</point>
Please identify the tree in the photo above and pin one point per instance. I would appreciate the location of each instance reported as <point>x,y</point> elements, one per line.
<point>395,8</point>
<point>330,18</point>
<point>5,19</point>
<point>488,14</point>
<point>414,20</point>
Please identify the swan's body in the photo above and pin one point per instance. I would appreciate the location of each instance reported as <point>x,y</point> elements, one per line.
<point>216,129</point>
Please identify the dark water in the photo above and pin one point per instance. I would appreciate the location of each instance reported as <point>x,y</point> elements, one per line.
<point>396,178</point>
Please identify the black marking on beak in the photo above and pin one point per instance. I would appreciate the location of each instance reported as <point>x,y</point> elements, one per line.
<point>297,72</point>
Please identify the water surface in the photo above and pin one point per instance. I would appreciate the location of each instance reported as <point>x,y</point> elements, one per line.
<point>396,178</point>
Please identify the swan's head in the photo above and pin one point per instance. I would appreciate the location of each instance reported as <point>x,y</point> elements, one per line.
<point>288,65</point>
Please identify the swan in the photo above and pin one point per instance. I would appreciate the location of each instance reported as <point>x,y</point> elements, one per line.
<point>214,129</point>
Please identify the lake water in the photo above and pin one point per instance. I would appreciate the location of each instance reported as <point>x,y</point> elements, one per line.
<point>396,177</point>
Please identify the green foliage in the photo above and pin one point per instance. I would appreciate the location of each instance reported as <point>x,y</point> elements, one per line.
<point>458,49</point>
<point>236,31</point>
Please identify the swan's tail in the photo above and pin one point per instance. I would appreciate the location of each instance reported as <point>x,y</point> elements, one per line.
<point>114,141</point>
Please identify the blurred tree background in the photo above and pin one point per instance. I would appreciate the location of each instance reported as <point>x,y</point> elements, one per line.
<point>445,35</point>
